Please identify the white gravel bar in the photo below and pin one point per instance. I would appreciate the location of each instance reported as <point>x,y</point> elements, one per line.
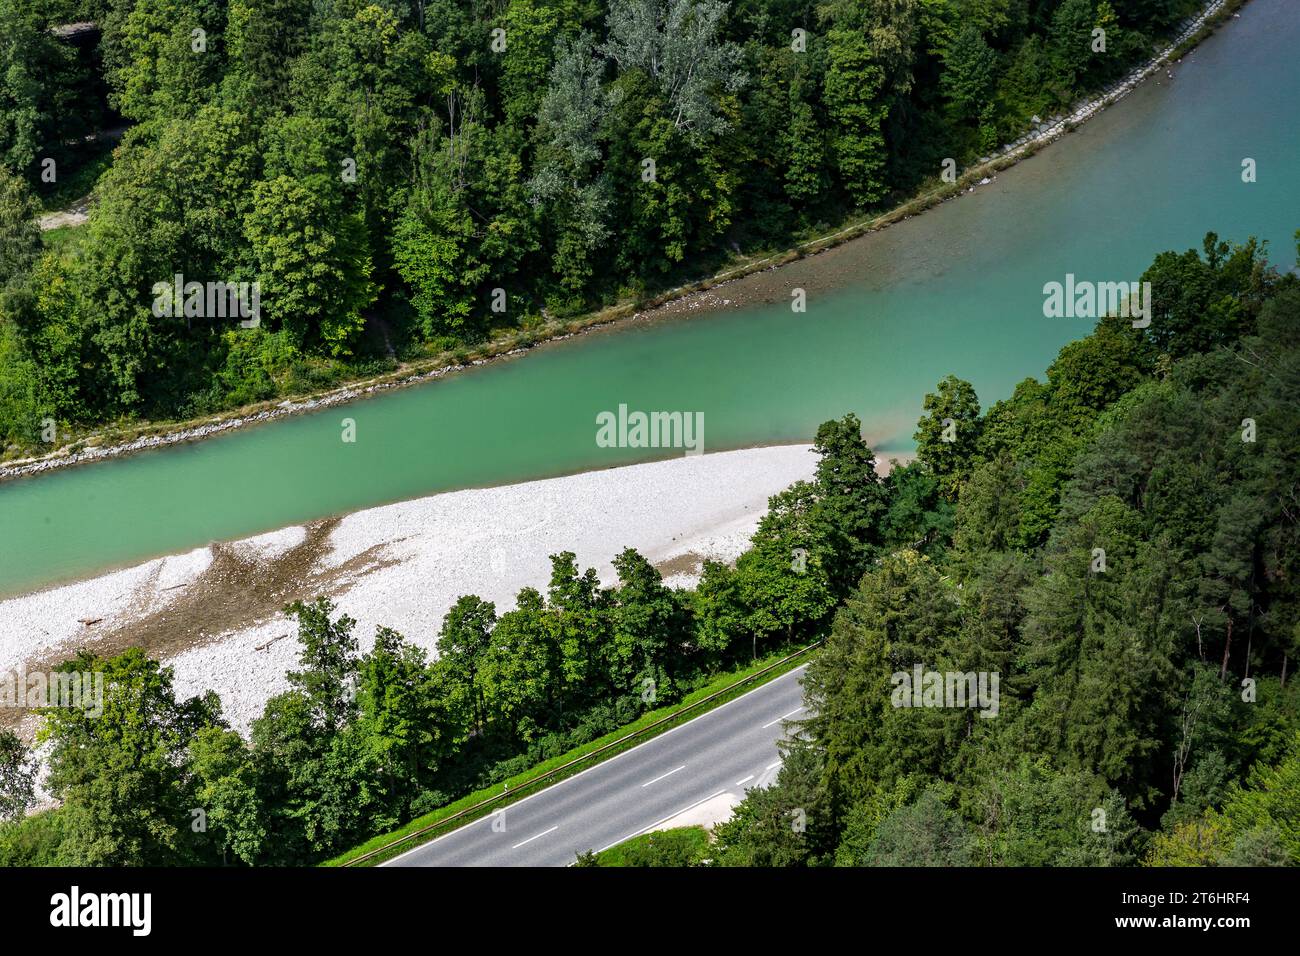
<point>427,552</point>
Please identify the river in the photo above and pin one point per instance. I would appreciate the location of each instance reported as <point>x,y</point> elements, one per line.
<point>957,289</point>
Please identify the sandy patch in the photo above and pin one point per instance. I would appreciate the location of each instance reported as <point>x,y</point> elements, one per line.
<point>707,814</point>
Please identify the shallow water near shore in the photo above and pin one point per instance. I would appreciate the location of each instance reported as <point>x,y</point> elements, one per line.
<point>955,290</point>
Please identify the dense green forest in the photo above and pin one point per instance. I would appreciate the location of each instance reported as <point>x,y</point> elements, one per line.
<point>1149,693</point>
<point>406,179</point>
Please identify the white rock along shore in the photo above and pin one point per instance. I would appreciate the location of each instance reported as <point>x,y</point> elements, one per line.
<point>418,557</point>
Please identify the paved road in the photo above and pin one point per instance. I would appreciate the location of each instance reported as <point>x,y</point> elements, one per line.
<point>726,750</point>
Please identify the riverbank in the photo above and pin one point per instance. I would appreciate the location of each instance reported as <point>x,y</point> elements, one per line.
<point>695,298</point>
<point>214,613</point>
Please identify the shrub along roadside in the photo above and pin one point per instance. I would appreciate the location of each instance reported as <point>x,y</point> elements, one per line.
<point>722,689</point>
<point>681,846</point>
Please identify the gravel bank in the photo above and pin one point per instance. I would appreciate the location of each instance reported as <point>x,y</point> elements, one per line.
<point>212,613</point>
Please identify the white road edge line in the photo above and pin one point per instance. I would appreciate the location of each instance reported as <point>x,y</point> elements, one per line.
<point>746,780</point>
<point>532,838</point>
<point>773,764</point>
<point>781,718</point>
<point>668,774</point>
<point>664,820</point>
<point>596,766</point>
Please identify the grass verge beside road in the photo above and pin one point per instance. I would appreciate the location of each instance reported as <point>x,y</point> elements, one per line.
<point>683,846</point>
<point>722,688</point>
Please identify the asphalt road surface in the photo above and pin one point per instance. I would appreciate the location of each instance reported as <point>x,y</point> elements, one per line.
<point>727,750</point>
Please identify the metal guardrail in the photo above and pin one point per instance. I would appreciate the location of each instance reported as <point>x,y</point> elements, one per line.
<point>541,777</point>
